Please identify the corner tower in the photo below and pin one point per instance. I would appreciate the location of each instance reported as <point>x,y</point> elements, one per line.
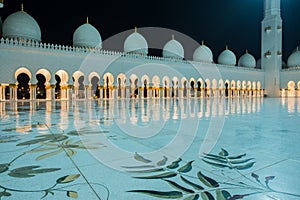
<point>271,46</point>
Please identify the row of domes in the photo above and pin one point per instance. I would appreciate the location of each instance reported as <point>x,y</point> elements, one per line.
<point>22,25</point>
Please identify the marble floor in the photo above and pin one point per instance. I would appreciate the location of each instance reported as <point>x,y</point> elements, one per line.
<point>224,149</point>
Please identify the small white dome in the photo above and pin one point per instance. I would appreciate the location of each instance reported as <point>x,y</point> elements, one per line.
<point>173,49</point>
<point>87,35</point>
<point>247,60</point>
<point>21,25</point>
<point>136,43</point>
<point>227,57</point>
<point>294,59</point>
<point>203,54</point>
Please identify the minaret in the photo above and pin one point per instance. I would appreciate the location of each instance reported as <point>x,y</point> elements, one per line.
<point>271,47</point>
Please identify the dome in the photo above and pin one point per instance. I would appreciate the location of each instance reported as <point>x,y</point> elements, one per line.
<point>294,59</point>
<point>87,35</point>
<point>227,57</point>
<point>136,43</point>
<point>247,60</point>
<point>21,25</point>
<point>203,54</point>
<point>173,49</point>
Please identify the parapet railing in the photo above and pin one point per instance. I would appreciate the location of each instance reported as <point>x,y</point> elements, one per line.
<point>97,50</point>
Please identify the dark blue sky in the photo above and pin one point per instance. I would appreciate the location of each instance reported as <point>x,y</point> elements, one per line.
<point>235,23</point>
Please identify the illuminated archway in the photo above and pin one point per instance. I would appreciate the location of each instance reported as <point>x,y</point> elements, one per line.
<point>121,81</point>
<point>23,91</point>
<point>184,87</point>
<point>134,88</point>
<point>175,83</point>
<point>61,86</point>
<point>221,88</point>
<point>79,89</point>
<point>291,89</point>
<point>108,85</point>
<point>192,87</point>
<point>94,80</point>
<point>155,87</point>
<point>166,84</point>
<point>145,86</point>
<point>43,77</point>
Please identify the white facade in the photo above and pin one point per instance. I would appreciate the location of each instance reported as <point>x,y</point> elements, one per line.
<point>30,69</point>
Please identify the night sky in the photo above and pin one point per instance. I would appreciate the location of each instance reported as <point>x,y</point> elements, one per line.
<point>235,23</point>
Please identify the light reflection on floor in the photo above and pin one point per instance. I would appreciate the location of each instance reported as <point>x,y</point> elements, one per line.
<point>96,149</point>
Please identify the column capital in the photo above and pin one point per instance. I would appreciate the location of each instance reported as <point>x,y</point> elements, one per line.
<point>32,86</point>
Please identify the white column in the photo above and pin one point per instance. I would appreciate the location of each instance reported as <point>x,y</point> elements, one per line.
<point>32,90</point>
<point>10,93</point>
<point>112,92</point>
<point>123,91</point>
<point>52,91</point>
<point>48,91</point>
<point>100,92</point>
<point>69,91</point>
<point>1,90</point>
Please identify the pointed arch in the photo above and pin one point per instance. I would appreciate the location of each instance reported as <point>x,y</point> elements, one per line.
<point>207,83</point>
<point>221,84</point>
<point>233,88</point>
<point>193,86</point>
<point>45,73</point>
<point>166,81</point>
<point>92,75</point>
<point>23,90</point>
<point>200,87</point>
<point>175,85</point>
<point>227,87</point>
<point>22,70</point>
<point>63,75</point>
<point>108,82</point>
<point>108,78</point>
<point>166,85</point>
<point>78,78</point>
<point>121,85</point>
<point>233,85</point>
<point>184,87</point>
<point>244,85</point>
<point>134,90</point>
<point>145,86</point>
<point>121,79</point>
<point>221,88</point>
<point>291,89</point>
<point>145,78</point>
<point>238,84</point>
<point>62,79</point>
<point>43,77</point>
<point>94,82</point>
<point>253,90</point>
<point>155,87</point>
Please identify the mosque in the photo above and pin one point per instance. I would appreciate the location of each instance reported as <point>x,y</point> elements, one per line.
<point>31,69</point>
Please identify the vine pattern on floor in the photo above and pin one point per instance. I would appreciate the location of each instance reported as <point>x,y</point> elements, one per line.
<point>47,146</point>
<point>188,186</point>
